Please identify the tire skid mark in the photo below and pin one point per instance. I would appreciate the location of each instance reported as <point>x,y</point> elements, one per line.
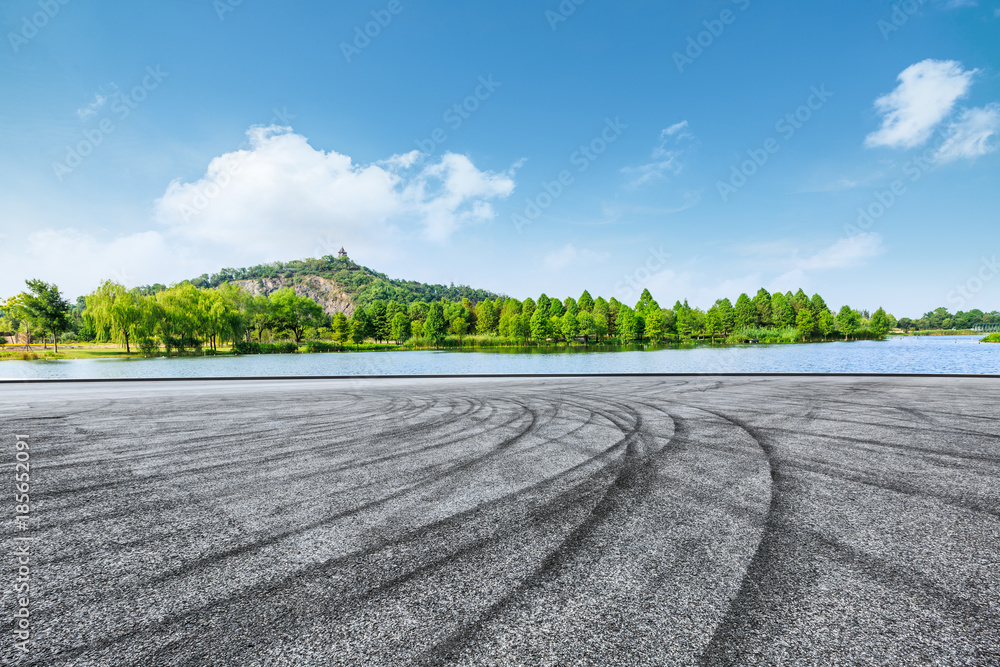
<point>266,588</point>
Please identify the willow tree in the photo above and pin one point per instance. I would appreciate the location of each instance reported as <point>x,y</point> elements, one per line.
<point>116,314</point>
<point>16,316</point>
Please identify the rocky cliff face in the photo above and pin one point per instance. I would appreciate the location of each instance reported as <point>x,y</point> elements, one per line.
<point>328,294</point>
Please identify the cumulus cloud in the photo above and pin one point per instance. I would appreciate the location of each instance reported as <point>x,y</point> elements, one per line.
<point>674,140</point>
<point>278,199</point>
<point>282,193</point>
<point>926,94</point>
<point>970,136</point>
<point>569,255</point>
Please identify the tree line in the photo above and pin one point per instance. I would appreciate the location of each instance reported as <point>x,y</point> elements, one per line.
<point>185,317</point>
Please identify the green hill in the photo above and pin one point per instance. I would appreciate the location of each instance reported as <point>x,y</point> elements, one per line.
<point>350,281</point>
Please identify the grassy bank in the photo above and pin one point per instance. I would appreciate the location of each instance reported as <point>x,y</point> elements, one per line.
<point>451,343</point>
<point>938,332</point>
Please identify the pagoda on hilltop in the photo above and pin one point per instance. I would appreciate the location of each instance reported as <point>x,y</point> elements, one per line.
<point>342,253</point>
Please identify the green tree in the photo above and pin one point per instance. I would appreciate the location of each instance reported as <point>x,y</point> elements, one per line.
<point>400,328</point>
<point>116,314</point>
<point>293,313</point>
<point>727,315</point>
<point>378,314</point>
<point>586,325</point>
<point>654,324</point>
<point>540,325</point>
<point>16,315</point>
<point>645,303</point>
<point>817,304</point>
<point>762,304</point>
<point>879,323</point>
<point>485,315</point>
<point>745,313</point>
<point>600,326</point>
<point>804,323</point>
<point>848,321</point>
<point>360,325</point>
<point>543,304</point>
<point>800,301</point>
<point>585,302</point>
<point>47,308</point>
<point>528,307</point>
<point>556,308</point>
<point>686,321</point>
<point>459,327</point>
<point>434,327</point>
<point>258,315</point>
<point>825,323</point>
<point>340,329</point>
<point>628,330</point>
<point>713,321</point>
<point>614,307</point>
<point>570,326</point>
<point>782,313</point>
<point>521,327</point>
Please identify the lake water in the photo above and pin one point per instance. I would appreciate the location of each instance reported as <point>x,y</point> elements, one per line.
<point>927,354</point>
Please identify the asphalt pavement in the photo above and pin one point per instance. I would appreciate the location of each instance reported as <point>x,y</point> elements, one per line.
<point>760,520</point>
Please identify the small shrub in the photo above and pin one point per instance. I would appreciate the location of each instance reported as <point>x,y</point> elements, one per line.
<point>314,346</point>
<point>992,338</point>
<point>148,347</point>
<point>246,347</point>
<point>253,347</point>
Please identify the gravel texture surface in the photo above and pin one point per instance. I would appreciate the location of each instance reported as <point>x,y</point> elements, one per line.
<point>509,521</point>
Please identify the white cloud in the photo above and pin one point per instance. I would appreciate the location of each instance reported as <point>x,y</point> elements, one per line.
<point>926,94</point>
<point>666,156</point>
<point>844,254</point>
<point>281,196</point>
<point>680,129</point>
<point>969,136</point>
<point>570,255</point>
<point>91,109</point>
<point>78,261</point>
<point>279,199</point>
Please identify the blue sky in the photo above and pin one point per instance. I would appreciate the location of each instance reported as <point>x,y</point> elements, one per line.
<point>699,151</point>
